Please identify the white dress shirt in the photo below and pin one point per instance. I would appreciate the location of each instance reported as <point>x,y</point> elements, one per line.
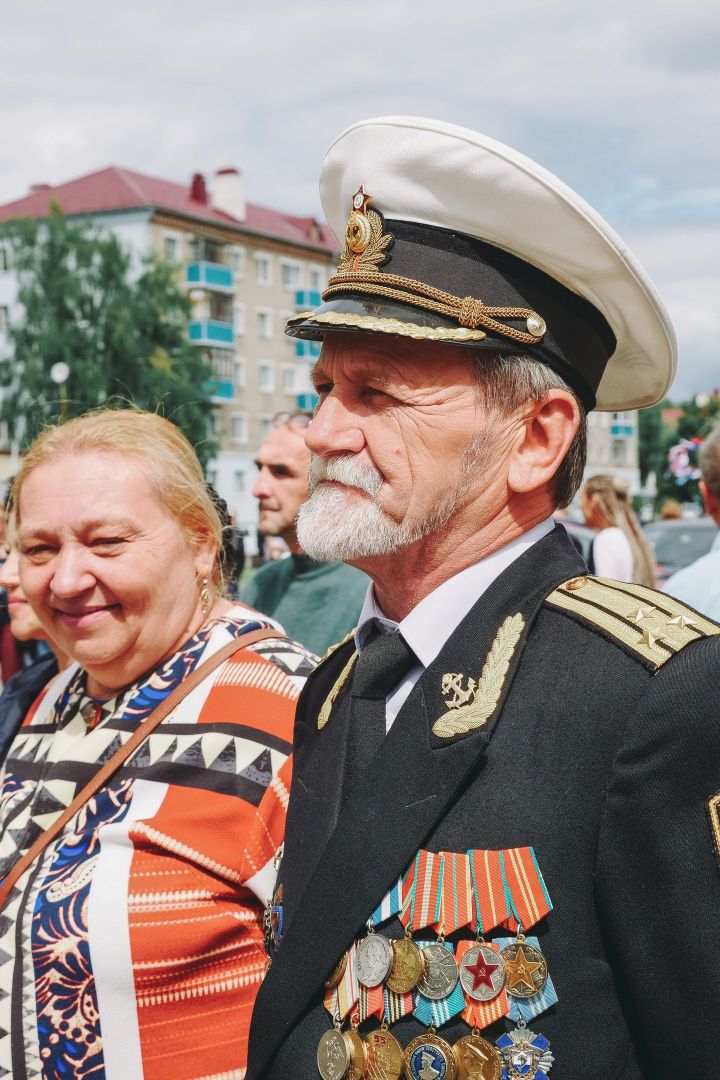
<point>429,625</point>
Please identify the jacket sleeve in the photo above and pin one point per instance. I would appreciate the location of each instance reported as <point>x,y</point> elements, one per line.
<point>657,872</point>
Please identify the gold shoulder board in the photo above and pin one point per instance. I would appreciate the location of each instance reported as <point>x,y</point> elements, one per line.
<point>647,623</point>
<point>334,648</point>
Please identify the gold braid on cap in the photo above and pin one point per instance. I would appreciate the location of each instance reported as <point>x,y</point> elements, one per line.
<point>365,251</point>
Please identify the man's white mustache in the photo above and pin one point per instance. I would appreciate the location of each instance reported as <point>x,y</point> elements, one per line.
<point>346,470</point>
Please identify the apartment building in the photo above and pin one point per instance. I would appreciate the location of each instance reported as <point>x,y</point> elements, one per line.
<point>613,446</point>
<point>247,268</point>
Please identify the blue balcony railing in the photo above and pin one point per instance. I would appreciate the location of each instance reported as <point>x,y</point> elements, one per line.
<point>307,350</point>
<point>210,275</point>
<point>307,402</point>
<point>212,332</point>
<point>307,298</point>
<point>220,388</point>
<point>622,431</point>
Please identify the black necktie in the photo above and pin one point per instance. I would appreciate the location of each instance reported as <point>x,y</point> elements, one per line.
<point>380,666</point>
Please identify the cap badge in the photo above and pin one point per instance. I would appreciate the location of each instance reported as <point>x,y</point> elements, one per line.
<point>365,240</point>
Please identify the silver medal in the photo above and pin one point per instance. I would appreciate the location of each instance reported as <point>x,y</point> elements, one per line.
<point>482,973</point>
<point>441,972</point>
<point>374,960</point>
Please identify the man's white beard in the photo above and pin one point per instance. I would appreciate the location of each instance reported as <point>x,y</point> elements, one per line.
<point>337,524</point>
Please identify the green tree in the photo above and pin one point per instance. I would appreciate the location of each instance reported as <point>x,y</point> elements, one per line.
<point>122,335</point>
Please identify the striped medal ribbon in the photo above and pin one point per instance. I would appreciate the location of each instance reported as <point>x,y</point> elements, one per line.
<point>436,1013</point>
<point>528,1008</point>
<point>456,902</point>
<point>342,998</point>
<point>527,896</point>
<point>423,889</point>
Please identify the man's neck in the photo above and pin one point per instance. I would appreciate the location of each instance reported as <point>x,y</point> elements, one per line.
<point>405,578</point>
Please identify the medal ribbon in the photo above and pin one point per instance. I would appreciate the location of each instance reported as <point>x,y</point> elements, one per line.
<point>342,999</point>
<point>456,904</point>
<point>525,889</point>
<point>489,894</point>
<point>407,892</point>
<point>372,1002</point>
<point>397,1005</point>
<point>390,904</point>
<point>425,891</point>
<point>435,1013</point>
<point>480,1014</point>
<point>528,1008</point>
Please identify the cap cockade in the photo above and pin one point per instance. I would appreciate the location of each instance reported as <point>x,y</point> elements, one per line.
<point>454,237</point>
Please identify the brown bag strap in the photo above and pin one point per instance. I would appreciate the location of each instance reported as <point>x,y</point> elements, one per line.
<point>113,763</point>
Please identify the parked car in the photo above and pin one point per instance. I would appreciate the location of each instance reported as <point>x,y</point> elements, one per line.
<point>581,535</point>
<point>677,543</point>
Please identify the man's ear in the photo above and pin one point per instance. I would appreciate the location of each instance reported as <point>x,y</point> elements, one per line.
<point>547,429</point>
<point>710,501</point>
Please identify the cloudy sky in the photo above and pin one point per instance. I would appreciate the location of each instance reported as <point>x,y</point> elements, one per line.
<point>620,99</point>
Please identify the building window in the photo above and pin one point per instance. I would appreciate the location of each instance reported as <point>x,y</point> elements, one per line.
<point>239,428</point>
<point>263,270</point>
<point>266,377</point>
<point>290,272</point>
<point>289,381</point>
<point>3,319</point>
<point>239,317</point>
<point>213,425</point>
<point>619,452</point>
<point>170,249</point>
<point>4,259</point>
<point>316,279</point>
<point>239,482</point>
<point>266,426</point>
<point>222,364</point>
<point>237,261</point>
<point>239,375</point>
<point>264,324</point>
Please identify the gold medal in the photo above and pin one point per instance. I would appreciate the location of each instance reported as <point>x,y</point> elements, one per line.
<point>333,1055</point>
<point>358,1053</point>
<point>337,973</point>
<point>477,1059</point>
<point>384,1055</point>
<point>526,970</point>
<point>408,966</point>
<point>429,1056</point>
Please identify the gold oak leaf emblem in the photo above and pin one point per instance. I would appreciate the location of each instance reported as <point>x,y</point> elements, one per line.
<point>324,714</point>
<point>470,707</point>
<point>365,242</point>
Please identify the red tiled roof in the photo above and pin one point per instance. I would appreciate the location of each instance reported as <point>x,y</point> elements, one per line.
<point>122,189</point>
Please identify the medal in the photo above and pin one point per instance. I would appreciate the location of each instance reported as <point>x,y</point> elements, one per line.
<point>384,1055</point>
<point>408,966</point>
<point>333,1055</point>
<point>479,1012</point>
<point>525,1056</point>
<point>482,973</point>
<point>337,973</point>
<point>477,1059</point>
<point>341,1055</point>
<point>441,972</point>
<point>528,1008</point>
<point>374,959</point>
<point>526,971</point>
<point>429,1058</point>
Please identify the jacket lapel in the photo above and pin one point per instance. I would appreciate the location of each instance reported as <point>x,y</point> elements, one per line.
<point>414,779</point>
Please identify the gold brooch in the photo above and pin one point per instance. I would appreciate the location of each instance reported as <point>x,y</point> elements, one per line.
<point>365,239</point>
<point>471,703</point>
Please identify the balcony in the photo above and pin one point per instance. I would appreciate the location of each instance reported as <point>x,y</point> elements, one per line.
<point>622,431</point>
<point>212,276</point>
<point>307,298</point>
<point>220,335</point>
<point>220,388</point>
<point>308,350</point>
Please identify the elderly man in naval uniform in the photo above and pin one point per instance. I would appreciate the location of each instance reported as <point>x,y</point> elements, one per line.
<point>502,843</point>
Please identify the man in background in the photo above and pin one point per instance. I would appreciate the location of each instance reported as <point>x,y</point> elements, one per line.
<point>317,603</point>
<point>699,584</point>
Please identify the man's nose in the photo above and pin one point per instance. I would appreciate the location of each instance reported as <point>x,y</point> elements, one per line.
<point>261,488</point>
<point>334,430</point>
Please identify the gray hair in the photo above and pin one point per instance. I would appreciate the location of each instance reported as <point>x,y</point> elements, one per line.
<point>505,382</point>
<point>709,461</point>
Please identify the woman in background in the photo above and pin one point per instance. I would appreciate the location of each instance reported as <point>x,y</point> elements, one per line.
<point>620,550</point>
<point>21,690</point>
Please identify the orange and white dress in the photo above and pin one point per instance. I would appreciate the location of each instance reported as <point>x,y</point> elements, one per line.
<point>133,948</point>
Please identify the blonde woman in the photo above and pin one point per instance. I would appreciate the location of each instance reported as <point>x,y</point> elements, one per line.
<point>620,549</point>
<point>134,944</point>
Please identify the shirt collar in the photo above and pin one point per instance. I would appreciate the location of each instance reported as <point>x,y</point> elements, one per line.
<point>447,605</point>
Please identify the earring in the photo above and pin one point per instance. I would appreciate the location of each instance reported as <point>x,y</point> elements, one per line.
<point>205,597</point>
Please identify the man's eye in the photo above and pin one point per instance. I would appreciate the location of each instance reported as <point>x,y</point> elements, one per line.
<point>38,551</point>
<point>109,542</point>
